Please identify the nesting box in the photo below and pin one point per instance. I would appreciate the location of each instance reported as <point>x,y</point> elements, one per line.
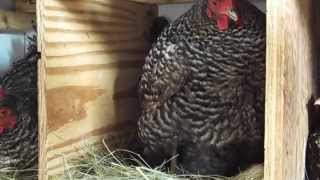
<point>92,53</point>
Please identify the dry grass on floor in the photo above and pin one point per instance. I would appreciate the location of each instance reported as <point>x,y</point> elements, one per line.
<point>102,164</point>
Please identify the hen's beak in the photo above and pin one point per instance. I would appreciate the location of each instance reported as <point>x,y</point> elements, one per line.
<point>233,15</point>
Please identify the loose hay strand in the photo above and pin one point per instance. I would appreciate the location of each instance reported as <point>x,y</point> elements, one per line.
<point>121,164</point>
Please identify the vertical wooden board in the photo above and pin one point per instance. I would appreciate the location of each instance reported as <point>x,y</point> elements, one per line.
<point>39,23</point>
<point>289,86</point>
<point>93,51</point>
<point>42,120</point>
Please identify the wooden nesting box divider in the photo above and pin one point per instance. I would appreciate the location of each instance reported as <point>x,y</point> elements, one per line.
<point>42,114</point>
<point>92,53</point>
<point>290,84</point>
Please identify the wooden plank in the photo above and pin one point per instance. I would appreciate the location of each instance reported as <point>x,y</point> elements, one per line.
<point>42,120</point>
<point>39,14</point>
<point>15,21</point>
<point>289,86</point>
<point>93,52</point>
<point>27,6</point>
<point>163,1</point>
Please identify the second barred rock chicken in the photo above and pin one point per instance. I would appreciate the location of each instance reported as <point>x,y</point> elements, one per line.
<point>313,156</point>
<point>202,89</point>
<point>18,113</point>
<point>313,145</point>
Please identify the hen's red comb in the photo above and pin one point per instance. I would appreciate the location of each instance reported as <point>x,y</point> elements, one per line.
<point>2,93</point>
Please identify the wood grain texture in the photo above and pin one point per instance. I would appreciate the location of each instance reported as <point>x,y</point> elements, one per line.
<point>289,86</point>
<point>15,21</point>
<point>42,113</point>
<point>39,8</point>
<point>93,52</point>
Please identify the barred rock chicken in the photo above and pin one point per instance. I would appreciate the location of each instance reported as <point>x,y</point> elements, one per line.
<point>18,113</point>
<point>313,146</point>
<point>313,156</point>
<point>202,89</point>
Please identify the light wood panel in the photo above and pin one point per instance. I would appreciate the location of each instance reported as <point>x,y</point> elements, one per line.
<point>289,86</point>
<point>93,52</point>
<point>40,25</point>
<point>42,118</point>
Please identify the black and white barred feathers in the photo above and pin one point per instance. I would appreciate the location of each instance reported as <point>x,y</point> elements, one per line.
<point>202,93</point>
<point>313,145</point>
<point>19,145</point>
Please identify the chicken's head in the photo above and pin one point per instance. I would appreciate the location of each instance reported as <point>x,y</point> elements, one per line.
<point>8,118</point>
<point>222,11</point>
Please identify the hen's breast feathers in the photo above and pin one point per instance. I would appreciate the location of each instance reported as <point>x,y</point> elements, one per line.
<point>21,79</point>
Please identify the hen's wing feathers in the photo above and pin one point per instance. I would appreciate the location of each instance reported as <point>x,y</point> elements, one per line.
<point>165,77</point>
<point>21,76</point>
